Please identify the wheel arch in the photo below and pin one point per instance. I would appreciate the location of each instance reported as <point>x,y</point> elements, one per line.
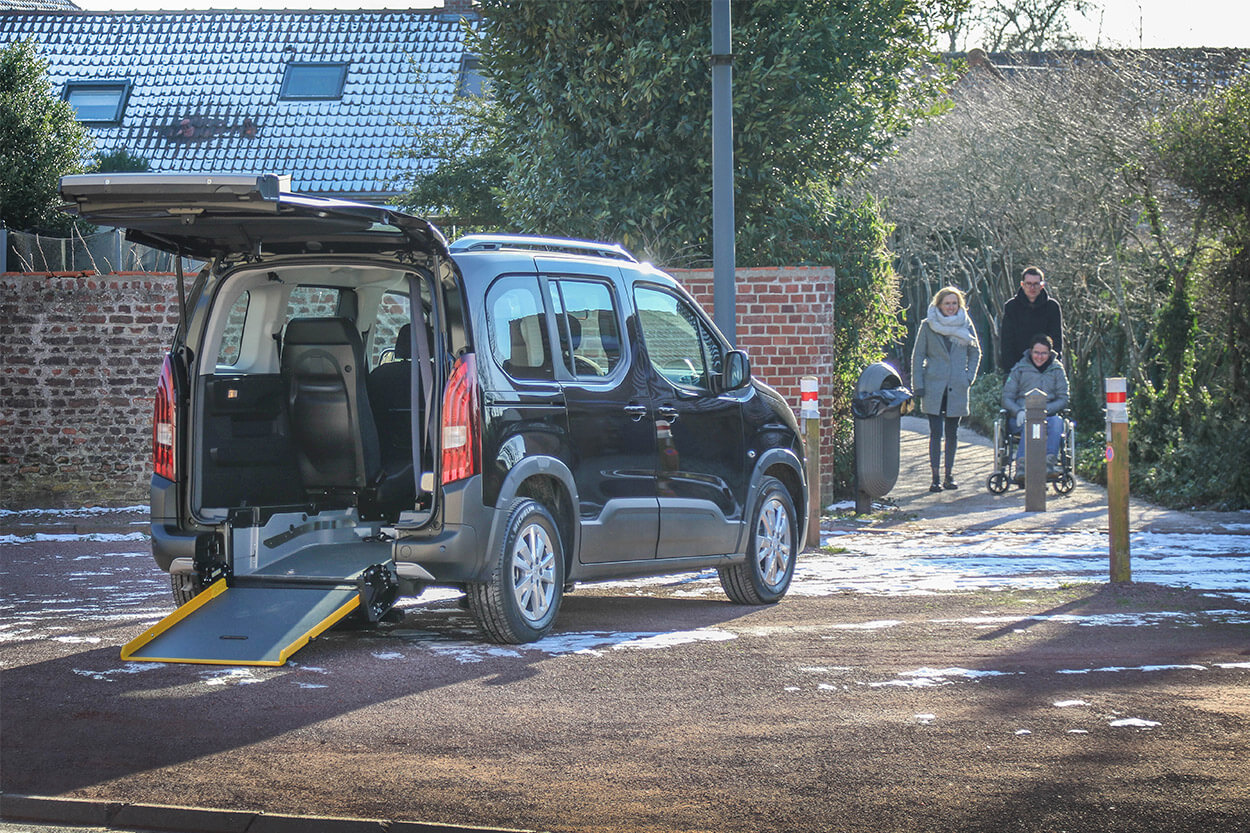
<point>548,481</point>
<point>785,466</point>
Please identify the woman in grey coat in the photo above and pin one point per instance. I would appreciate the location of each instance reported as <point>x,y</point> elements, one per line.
<point>943,364</point>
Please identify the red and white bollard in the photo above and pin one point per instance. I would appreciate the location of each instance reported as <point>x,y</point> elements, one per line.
<point>1117,479</point>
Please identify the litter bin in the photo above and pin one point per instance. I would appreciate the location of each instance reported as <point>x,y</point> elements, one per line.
<point>876,406</point>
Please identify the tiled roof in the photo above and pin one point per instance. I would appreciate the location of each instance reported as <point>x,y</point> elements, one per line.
<point>37,5</point>
<point>205,86</point>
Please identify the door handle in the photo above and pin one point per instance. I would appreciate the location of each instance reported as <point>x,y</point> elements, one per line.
<point>668,413</point>
<point>636,411</point>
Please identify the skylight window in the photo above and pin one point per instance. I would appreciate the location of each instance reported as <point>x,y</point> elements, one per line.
<point>99,101</point>
<point>469,84</point>
<point>313,82</point>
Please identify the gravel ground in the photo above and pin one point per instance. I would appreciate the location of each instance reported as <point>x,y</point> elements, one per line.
<point>657,706</point>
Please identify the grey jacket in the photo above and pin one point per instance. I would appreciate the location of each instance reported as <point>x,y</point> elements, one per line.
<point>940,365</point>
<point>1025,376</point>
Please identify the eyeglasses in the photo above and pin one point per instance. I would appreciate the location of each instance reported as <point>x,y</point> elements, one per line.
<point>1042,353</point>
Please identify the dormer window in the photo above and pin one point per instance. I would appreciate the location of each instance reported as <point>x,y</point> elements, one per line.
<point>98,101</point>
<point>313,81</point>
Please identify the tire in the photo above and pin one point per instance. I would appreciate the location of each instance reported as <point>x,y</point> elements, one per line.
<point>186,587</point>
<point>771,552</point>
<point>997,483</point>
<point>1065,484</point>
<point>520,600</point>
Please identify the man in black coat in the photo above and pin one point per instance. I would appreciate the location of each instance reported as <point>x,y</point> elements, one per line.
<point>1031,312</point>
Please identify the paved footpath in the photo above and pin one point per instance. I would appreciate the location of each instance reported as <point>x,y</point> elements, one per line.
<point>911,507</point>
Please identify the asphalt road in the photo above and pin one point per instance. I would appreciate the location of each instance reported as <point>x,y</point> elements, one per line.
<point>656,706</point>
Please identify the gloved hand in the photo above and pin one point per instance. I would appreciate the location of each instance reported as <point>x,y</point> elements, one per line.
<point>1019,419</point>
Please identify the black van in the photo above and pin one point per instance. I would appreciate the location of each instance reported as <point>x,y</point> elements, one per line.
<point>350,400</point>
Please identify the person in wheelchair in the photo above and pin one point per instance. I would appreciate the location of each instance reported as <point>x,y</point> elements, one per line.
<point>1039,368</point>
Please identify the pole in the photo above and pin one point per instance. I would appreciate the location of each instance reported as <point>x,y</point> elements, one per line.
<point>1117,479</point>
<point>1033,435</point>
<point>724,296</point>
<point>809,412</point>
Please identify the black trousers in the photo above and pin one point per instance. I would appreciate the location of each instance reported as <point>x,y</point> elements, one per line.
<point>938,423</point>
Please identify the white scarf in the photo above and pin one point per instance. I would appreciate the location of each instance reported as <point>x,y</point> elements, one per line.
<point>955,327</point>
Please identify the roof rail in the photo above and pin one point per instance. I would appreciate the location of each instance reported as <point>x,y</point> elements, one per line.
<point>533,243</point>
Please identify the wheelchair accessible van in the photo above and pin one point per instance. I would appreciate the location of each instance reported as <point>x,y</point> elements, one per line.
<point>1008,471</point>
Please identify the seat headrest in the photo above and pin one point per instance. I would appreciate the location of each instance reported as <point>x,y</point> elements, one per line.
<point>320,331</point>
<point>403,343</point>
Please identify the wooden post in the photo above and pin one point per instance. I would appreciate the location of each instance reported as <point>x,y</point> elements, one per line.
<point>1117,479</point>
<point>809,411</point>
<point>1033,435</point>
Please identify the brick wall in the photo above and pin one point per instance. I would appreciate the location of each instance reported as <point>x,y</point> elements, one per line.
<point>785,324</point>
<point>81,354</point>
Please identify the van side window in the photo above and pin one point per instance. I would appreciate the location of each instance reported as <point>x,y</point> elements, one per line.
<point>682,348</point>
<point>391,316</point>
<point>586,319</point>
<point>232,336</point>
<point>517,323</point>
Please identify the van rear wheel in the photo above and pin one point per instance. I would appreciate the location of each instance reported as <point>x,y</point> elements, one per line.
<point>520,601</point>
<point>766,575</point>
<point>186,586</point>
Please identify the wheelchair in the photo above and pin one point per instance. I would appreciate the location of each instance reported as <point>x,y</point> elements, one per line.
<point>1005,471</point>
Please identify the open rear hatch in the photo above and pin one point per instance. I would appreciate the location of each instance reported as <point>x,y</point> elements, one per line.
<point>208,216</point>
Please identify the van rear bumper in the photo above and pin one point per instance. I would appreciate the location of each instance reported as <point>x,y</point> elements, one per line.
<point>169,541</point>
<point>453,553</point>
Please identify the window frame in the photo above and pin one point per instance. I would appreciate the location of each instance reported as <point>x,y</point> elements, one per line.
<point>120,86</point>
<point>470,83</point>
<point>285,93</point>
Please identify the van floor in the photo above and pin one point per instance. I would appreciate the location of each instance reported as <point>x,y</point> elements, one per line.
<point>322,560</point>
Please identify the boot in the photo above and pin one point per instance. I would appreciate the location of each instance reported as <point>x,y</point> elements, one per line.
<point>936,486</point>
<point>949,483</point>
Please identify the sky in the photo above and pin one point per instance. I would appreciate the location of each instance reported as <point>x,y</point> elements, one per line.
<point>1150,24</point>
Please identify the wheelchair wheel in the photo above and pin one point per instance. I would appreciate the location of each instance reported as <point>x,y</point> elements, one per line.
<point>1065,484</point>
<point>997,483</point>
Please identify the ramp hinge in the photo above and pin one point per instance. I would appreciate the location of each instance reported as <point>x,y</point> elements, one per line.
<point>210,561</point>
<point>378,590</point>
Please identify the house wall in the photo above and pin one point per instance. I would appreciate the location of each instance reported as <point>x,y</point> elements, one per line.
<point>82,352</point>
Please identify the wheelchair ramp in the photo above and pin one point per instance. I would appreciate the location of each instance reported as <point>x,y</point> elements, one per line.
<point>244,625</point>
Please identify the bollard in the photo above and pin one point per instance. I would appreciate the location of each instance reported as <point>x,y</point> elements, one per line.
<point>1117,479</point>
<point>1034,438</point>
<point>809,412</point>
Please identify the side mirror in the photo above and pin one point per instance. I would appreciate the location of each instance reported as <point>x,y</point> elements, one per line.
<point>737,370</point>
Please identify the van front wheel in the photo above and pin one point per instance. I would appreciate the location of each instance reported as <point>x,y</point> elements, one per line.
<point>520,601</point>
<point>766,575</point>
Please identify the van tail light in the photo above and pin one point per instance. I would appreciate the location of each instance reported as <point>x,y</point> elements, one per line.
<point>461,440</point>
<point>165,423</point>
